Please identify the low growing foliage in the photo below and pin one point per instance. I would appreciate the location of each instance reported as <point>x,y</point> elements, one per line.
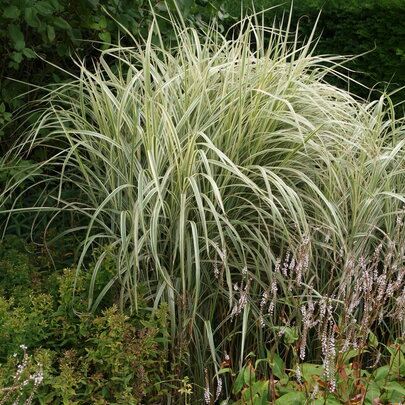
<point>306,383</point>
<point>107,358</point>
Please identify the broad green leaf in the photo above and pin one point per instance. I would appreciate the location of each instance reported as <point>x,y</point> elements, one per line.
<point>61,23</point>
<point>277,366</point>
<point>291,335</point>
<point>292,398</point>
<point>248,395</point>
<point>225,370</point>
<point>260,400</point>
<point>185,6</point>
<point>373,391</point>
<point>62,49</point>
<point>16,37</point>
<point>56,5</point>
<point>397,359</point>
<point>11,12</point>
<point>331,400</point>
<point>17,57</point>
<point>372,339</point>
<point>94,26</point>
<point>29,53</point>
<point>381,373</point>
<point>353,353</point>
<point>50,31</point>
<point>261,388</point>
<point>44,8</point>
<point>395,386</point>
<point>249,376</point>
<point>13,65</point>
<point>238,385</point>
<point>309,370</point>
<point>31,18</point>
<point>394,393</point>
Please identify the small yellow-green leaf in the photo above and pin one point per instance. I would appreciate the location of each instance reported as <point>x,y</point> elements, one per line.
<point>105,36</point>
<point>102,23</point>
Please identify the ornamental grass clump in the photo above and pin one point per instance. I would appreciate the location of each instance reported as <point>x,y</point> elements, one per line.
<point>201,164</point>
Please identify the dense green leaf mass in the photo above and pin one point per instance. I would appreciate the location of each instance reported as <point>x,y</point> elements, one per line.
<point>53,31</point>
<point>106,358</point>
<point>373,29</point>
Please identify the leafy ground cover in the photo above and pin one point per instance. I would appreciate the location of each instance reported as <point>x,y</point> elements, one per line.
<point>227,184</point>
<point>49,352</point>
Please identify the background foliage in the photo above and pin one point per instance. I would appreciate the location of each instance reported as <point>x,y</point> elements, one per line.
<point>373,28</point>
<point>52,30</point>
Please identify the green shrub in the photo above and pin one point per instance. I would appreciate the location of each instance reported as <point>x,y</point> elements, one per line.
<point>119,363</point>
<point>108,358</point>
<point>16,269</point>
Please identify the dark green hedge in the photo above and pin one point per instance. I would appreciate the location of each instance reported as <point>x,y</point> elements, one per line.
<point>53,30</point>
<point>352,27</point>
